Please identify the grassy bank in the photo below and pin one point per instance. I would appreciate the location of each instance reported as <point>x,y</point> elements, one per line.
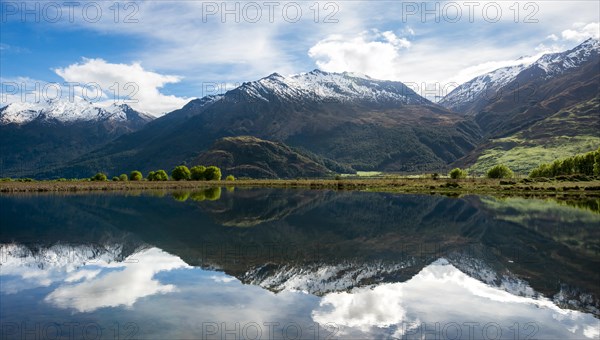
<point>400,185</point>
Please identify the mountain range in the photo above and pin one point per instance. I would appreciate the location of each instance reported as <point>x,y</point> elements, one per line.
<point>336,122</point>
<point>36,136</point>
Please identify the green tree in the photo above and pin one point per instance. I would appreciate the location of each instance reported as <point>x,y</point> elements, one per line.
<point>135,176</point>
<point>161,175</point>
<point>500,171</point>
<point>181,173</point>
<point>597,163</point>
<point>230,178</point>
<point>457,173</point>
<point>123,177</point>
<point>115,179</point>
<point>99,177</point>
<point>150,176</point>
<point>198,173</point>
<point>584,164</point>
<point>212,173</point>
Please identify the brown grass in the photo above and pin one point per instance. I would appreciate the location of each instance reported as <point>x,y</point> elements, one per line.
<point>400,185</point>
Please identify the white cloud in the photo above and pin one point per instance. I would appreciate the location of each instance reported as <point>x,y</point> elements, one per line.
<point>373,53</point>
<point>581,31</point>
<point>140,87</point>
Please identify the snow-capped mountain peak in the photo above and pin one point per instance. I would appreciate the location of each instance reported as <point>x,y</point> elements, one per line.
<point>66,111</point>
<point>485,84</point>
<point>550,65</point>
<point>322,86</point>
<point>556,63</point>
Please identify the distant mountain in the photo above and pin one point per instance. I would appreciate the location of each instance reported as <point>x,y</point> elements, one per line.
<point>36,136</point>
<point>477,92</point>
<point>353,120</point>
<point>69,111</point>
<point>533,114</point>
<point>252,157</point>
<point>482,91</point>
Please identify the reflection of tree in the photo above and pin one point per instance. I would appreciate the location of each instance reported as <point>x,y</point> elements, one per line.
<point>370,238</point>
<point>248,208</point>
<point>210,194</point>
<point>181,196</point>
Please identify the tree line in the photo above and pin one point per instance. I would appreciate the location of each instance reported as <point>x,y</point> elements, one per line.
<point>583,164</point>
<point>179,173</point>
<point>587,164</point>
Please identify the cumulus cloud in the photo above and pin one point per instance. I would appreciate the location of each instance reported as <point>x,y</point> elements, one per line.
<point>371,52</point>
<point>582,31</point>
<point>131,82</point>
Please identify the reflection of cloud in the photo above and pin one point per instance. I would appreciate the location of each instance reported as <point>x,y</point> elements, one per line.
<point>119,288</point>
<point>223,279</point>
<point>366,308</point>
<point>434,295</point>
<point>22,268</point>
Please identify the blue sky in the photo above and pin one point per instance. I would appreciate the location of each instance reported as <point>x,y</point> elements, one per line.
<point>173,51</point>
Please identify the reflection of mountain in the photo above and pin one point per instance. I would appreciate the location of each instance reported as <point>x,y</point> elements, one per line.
<point>437,298</point>
<point>90,276</point>
<point>249,208</point>
<point>324,242</point>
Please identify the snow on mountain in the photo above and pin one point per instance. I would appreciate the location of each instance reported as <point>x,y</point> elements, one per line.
<point>335,87</point>
<point>550,65</point>
<point>45,265</point>
<point>484,85</point>
<point>67,111</point>
<point>556,63</point>
<point>319,279</point>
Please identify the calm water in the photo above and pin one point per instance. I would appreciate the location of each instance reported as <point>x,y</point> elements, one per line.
<point>264,264</point>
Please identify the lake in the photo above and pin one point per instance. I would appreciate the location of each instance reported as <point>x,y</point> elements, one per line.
<point>229,263</point>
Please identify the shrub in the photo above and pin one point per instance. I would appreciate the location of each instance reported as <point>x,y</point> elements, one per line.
<point>99,177</point>
<point>115,179</point>
<point>181,173</point>
<point>435,176</point>
<point>457,173</point>
<point>230,178</point>
<point>161,175</point>
<point>158,175</point>
<point>212,173</point>
<point>198,173</point>
<point>123,177</point>
<point>500,171</point>
<point>135,176</point>
<point>150,176</point>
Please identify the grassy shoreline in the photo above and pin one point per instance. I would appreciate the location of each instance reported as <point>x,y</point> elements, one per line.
<point>398,185</point>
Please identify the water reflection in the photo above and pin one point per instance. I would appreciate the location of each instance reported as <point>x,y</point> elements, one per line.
<point>353,265</point>
<point>442,300</point>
